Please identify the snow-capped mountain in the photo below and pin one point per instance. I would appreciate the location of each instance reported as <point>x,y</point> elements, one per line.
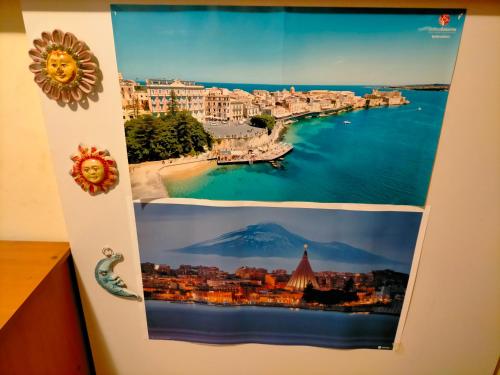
<point>272,240</point>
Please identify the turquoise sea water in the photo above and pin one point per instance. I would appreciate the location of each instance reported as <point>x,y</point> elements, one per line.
<point>384,156</point>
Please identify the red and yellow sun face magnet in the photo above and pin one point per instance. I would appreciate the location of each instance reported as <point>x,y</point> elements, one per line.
<point>94,170</point>
<point>64,67</point>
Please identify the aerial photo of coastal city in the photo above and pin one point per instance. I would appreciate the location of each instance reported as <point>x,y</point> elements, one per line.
<point>218,112</point>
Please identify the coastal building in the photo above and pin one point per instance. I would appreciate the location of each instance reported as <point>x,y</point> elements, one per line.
<point>373,100</point>
<point>236,110</point>
<point>270,281</point>
<point>281,112</point>
<point>393,98</point>
<point>242,96</point>
<point>325,279</point>
<point>279,272</point>
<point>217,104</point>
<point>251,273</point>
<point>127,90</point>
<point>229,106</point>
<point>269,110</point>
<point>141,94</point>
<point>188,95</point>
<point>250,110</point>
<point>295,105</point>
<point>378,98</point>
<point>263,98</point>
<point>315,104</point>
<point>359,102</point>
<point>279,96</point>
<point>262,94</point>
<point>303,274</point>
<point>134,98</point>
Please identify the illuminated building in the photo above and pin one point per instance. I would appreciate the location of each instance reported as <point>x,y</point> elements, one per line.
<point>303,275</point>
<point>251,273</point>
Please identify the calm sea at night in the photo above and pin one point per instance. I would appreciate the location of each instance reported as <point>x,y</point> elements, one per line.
<point>384,156</point>
<point>268,325</point>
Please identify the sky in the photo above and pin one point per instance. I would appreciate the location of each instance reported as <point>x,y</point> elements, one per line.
<point>278,45</point>
<point>162,227</point>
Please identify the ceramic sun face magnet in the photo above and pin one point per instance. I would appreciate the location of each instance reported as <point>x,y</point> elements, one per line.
<point>94,170</point>
<point>64,66</point>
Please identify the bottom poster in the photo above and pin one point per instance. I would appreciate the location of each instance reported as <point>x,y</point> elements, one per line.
<point>320,275</point>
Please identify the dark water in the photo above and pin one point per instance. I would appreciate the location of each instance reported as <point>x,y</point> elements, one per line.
<point>384,156</point>
<point>268,325</point>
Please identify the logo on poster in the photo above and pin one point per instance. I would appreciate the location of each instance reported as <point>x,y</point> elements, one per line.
<point>444,19</point>
<point>442,32</point>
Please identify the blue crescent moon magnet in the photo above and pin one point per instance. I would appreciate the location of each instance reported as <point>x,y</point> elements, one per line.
<point>110,281</point>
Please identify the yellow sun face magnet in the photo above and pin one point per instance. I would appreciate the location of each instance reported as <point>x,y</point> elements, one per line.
<point>64,67</point>
<point>61,67</point>
<point>94,170</point>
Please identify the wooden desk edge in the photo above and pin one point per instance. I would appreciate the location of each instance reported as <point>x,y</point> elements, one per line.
<point>16,261</point>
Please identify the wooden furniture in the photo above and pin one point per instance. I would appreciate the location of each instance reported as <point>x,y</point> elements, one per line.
<point>41,324</point>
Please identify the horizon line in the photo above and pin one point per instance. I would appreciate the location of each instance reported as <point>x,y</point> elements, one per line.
<point>293,84</point>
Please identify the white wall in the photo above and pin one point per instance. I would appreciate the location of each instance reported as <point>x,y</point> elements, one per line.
<point>453,325</point>
<point>30,208</point>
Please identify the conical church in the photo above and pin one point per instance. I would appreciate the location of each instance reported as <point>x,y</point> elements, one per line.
<point>303,275</point>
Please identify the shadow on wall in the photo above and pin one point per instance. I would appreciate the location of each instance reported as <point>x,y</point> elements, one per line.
<point>11,19</point>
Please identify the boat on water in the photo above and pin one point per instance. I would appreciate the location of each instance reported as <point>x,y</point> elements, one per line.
<point>346,122</point>
<point>419,108</point>
<point>276,164</point>
<point>308,117</point>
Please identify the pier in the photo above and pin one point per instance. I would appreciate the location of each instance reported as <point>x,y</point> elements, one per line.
<point>250,157</point>
<point>324,113</point>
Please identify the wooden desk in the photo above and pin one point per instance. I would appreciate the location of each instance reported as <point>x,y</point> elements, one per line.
<point>41,325</point>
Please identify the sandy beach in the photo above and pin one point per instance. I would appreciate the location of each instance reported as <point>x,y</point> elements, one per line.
<point>186,170</point>
<point>147,179</point>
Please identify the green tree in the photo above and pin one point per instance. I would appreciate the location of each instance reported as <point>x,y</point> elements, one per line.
<point>200,138</point>
<point>173,106</point>
<point>165,143</point>
<point>168,136</point>
<point>139,133</point>
<point>263,121</point>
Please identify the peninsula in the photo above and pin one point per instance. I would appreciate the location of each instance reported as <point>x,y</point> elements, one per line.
<point>423,87</point>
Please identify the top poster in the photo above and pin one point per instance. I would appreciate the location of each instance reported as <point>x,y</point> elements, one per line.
<point>282,103</point>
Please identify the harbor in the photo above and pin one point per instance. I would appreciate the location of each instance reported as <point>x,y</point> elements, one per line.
<point>331,155</point>
<point>277,151</point>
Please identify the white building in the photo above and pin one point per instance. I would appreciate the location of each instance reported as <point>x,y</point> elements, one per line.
<point>217,107</point>
<point>189,96</point>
